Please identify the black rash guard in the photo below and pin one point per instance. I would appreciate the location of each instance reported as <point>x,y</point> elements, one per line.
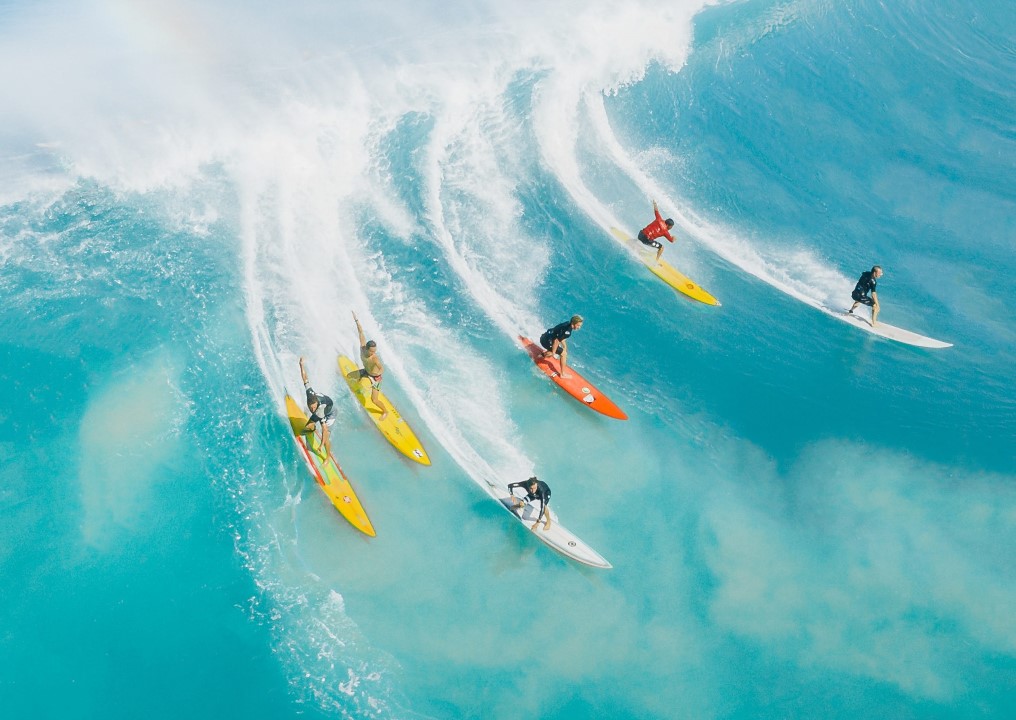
<point>558,332</point>
<point>865,286</point>
<point>542,493</point>
<point>326,409</point>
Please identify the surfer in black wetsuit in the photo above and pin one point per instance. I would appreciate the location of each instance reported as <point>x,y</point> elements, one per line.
<point>322,410</point>
<point>535,490</point>
<point>864,292</point>
<point>555,340</point>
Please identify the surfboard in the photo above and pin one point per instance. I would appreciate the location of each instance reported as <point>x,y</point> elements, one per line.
<point>859,320</point>
<point>327,472</point>
<point>395,429</point>
<point>557,537</point>
<point>575,385</point>
<point>664,270</point>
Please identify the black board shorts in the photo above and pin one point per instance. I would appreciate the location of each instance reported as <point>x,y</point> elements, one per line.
<point>547,341</point>
<point>646,241</point>
<point>863,299</point>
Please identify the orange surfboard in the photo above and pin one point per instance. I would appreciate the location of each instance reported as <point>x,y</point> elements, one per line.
<point>575,385</point>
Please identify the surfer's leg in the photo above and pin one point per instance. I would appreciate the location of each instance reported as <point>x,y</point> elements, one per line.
<point>325,437</point>
<point>874,313</point>
<point>377,401</point>
<point>659,248</point>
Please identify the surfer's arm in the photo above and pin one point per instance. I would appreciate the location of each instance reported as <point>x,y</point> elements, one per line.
<point>539,517</point>
<point>359,331</point>
<point>661,223</point>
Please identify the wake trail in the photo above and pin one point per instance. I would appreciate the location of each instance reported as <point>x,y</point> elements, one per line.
<point>508,316</point>
<point>557,116</point>
<point>823,283</point>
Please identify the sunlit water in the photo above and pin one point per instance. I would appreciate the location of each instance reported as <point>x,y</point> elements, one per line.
<point>804,520</point>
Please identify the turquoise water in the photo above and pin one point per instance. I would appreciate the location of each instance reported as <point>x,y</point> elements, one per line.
<point>804,520</point>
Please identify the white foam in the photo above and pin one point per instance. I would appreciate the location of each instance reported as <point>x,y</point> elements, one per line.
<point>292,109</point>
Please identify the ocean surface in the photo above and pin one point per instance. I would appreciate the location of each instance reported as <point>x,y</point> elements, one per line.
<point>804,520</point>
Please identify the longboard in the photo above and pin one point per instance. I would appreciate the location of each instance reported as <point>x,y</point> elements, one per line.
<point>858,320</point>
<point>664,270</point>
<point>557,537</point>
<point>395,429</point>
<point>575,385</point>
<point>327,472</point>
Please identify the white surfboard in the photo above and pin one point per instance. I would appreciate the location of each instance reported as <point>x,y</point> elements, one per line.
<point>558,537</point>
<point>861,318</point>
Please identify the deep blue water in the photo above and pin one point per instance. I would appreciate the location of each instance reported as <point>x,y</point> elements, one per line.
<point>804,520</point>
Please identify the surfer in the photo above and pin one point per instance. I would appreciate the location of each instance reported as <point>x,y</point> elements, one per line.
<point>864,292</point>
<point>535,489</point>
<point>657,228</point>
<point>555,340</point>
<point>322,410</point>
<point>372,367</point>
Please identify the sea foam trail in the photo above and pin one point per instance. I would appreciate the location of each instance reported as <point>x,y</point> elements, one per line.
<point>290,111</point>
<point>559,111</point>
<point>797,273</point>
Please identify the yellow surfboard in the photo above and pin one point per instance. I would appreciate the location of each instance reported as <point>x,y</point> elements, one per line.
<point>664,270</point>
<point>393,427</point>
<point>327,472</point>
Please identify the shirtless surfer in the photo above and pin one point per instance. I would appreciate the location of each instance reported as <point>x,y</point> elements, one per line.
<point>372,367</point>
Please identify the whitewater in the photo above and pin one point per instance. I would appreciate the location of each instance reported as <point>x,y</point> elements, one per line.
<point>803,520</point>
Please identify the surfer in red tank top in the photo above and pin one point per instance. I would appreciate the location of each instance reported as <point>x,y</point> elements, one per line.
<point>657,228</point>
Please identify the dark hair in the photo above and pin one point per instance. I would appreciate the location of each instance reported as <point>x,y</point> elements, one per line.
<point>371,343</point>
<point>876,267</point>
<point>670,222</point>
<point>532,480</point>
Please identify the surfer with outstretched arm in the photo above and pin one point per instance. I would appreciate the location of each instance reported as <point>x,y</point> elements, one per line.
<point>535,489</point>
<point>555,340</point>
<point>657,228</point>
<point>322,411</point>
<point>864,292</point>
<point>372,367</point>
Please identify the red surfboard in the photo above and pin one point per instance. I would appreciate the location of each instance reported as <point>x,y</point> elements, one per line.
<point>575,385</point>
